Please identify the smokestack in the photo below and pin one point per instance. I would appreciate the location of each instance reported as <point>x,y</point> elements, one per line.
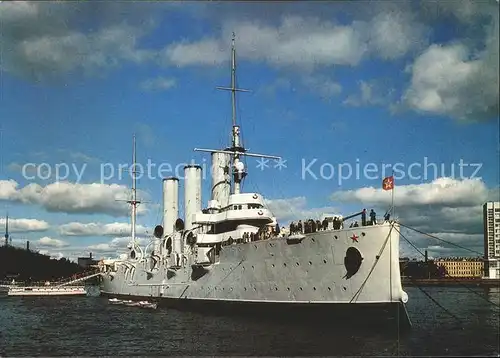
<point>192,193</point>
<point>170,204</point>
<point>221,184</point>
<point>27,245</point>
<point>91,255</point>
<point>426,257</point>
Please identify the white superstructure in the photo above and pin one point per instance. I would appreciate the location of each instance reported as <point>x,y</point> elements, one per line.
<point>228,252</point>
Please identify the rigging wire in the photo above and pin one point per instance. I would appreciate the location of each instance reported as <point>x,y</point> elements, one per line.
<point>437,303</point>
<point>425,292</point>
<point>453,278</point>
<point>445,241</point>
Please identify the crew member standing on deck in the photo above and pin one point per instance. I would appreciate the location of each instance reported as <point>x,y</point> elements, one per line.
<point>373,218</point>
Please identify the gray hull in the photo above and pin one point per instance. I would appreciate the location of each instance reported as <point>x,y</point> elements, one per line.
<point>309,271</point>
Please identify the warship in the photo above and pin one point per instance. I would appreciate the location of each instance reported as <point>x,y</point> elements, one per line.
<point>229,256</point>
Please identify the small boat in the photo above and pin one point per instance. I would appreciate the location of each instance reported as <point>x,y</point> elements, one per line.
<point>146,304</point>
<point>115,301</point>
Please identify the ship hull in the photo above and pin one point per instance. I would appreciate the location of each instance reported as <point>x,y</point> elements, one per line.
<point>313,274</point>
<point>343,315</point>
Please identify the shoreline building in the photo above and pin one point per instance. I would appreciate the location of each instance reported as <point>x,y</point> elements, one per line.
<point>461,267</point>
<point>87,262</point>
<point>491,221</point>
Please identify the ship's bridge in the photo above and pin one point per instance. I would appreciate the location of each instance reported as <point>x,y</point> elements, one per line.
<point>241,207</point>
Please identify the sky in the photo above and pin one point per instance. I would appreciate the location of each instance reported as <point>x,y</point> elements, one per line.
<point>345,93</point>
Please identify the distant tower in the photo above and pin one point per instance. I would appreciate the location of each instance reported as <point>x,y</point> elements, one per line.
<point>27,245</point>
<point>426,256</point>
<point>491,222</point>
<point>7,230</point>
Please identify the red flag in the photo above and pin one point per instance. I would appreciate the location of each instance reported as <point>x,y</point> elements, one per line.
<point>388,183</point>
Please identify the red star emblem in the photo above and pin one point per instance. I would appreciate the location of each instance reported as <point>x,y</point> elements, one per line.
<point>354,238</point>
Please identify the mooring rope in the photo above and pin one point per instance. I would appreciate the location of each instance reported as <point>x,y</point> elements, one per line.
<point>377,258</point>
<point>453,278</point>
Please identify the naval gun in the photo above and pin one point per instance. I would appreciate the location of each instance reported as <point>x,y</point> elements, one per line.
<point>363,217</point>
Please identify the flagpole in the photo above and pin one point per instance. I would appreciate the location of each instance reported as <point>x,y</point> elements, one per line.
<point>392,199</point>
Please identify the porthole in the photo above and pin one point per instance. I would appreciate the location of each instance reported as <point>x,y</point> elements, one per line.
<point>344,288</point>
<point>288,288</point>
<point>336,238</point>
<point>284,264</point>
<point>310,263</point>
<point>272,265</point>
<point>297,263</point>
<point>312,239</point>
<point>324,261</point>
<point>314,288</point>
<point>300,288</point>
<point>276,288</point>
<point>245,288</point>
<point>329,288</point>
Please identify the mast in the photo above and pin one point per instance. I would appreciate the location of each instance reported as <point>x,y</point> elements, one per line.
<point>134,200</point>
<point>236,150</point>
<point>7,229</point>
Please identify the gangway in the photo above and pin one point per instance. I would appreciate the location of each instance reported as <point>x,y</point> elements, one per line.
<point>79,279</point>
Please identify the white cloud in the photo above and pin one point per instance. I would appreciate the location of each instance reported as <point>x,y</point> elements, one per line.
<point>70,197</point>
<point>301,41</point>
<point>53,255</point>
<point>49,242</point>
<point>325,87</point>
<point>25,225</point>
<point>158,84</point>
<point>204,52</point>
<point>442,191</point>
<point>99,229</point>
<point>145,135</point>
<point>115,247</point>
<point>296,208</point>
<point>395,33</point>
<point>370,93</point>
<point>456,79</point>
<point>38,42</point>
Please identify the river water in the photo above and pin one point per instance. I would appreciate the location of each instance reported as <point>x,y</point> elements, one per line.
<point>89,326</point>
